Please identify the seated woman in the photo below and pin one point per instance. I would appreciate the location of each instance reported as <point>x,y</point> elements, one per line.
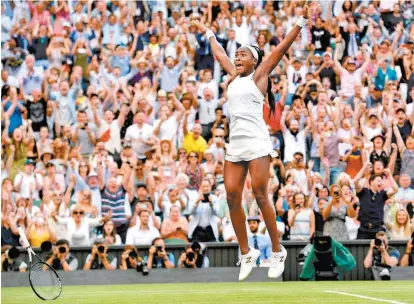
<point>301,218</point>
<point>174,229</point>
<point>109,234</point>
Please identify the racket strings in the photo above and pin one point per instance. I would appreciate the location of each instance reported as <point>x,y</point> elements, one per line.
<point>45,281</point>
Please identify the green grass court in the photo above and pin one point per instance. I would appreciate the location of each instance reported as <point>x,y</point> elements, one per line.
<point>397,292</point>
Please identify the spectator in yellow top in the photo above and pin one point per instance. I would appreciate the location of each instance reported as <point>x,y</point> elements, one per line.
<point>193,141</point>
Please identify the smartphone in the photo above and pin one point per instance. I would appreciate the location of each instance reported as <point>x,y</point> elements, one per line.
<point>205,199</point>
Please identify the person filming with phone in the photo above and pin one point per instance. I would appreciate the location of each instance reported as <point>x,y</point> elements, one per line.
<point>158,257</point>
<point>381,257</point>
<point>203,225</point>
<point>61,258</point>
<point>193,257</point>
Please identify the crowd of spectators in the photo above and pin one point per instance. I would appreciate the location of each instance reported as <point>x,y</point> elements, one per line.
<point>115,122</point>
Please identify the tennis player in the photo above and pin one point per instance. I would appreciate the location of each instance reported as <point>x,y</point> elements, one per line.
<point>250,147</point>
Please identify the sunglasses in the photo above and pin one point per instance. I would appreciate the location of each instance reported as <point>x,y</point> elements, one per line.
<point>193,156</point>
<point>298,160</point>
<point>183,153</point>
<point>219,136</point>
<point>78,212</point>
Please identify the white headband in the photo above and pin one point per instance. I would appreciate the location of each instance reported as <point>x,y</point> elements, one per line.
<point>252,50</point>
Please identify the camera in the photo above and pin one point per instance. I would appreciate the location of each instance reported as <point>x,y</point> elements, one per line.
<point>142,267</point>
<point>377,242</point>
<point>101,249</point>
<point>159,249</point>
<point>206,196</point>
<point>12,253</point>
<point>62,249</point>
<point>196,247</point>
<point>336,193</point>
<point>132,254</point>
<point>190,256</point>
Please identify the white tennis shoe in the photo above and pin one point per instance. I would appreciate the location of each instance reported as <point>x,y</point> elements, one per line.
<point>247,262</point>
<point>277,263</point>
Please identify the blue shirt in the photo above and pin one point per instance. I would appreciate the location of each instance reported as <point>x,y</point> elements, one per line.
<point>15,118</point>
<point>263,244</point>
<point>382,76</point>
<point>122,63</point>
<point>158,261</point>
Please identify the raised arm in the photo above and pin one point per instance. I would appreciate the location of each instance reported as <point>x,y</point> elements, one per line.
<point>267,66</point>
<point>217,49</point>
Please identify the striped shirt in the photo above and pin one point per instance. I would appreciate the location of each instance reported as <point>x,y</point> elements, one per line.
<point>115,202</point>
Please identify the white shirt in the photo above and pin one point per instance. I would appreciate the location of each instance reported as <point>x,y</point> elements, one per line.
<point>404,194</point>
<point>206,110</point>
<point>11,81</point>
<point>137,136</point>
<point>294,144</point>
<point>114,143</point>
<point>168,129</point>
<point>242,31</point>
<point>27,181</point>
<point>293,80</point>
<point>343,147</point>
<point>212,85</point>
<point>137,236</point>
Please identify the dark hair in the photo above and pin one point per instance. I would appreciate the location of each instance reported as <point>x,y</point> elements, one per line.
<point>374,176</point>
<point>62,242</point>
<point>270,96</point>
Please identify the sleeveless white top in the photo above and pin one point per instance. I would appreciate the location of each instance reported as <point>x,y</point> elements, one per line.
<point>301,228</point>
<point>249,136</point>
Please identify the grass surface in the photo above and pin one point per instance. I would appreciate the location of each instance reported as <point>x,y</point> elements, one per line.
<point>225,293</point>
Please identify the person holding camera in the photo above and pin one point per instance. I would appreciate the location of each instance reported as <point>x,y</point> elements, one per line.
<point>99,258</point>
<point>132,260</point>
<point>10,261</point>
<point>193,257</point>
<point>408,257</point>
<point>61,258</point>
<point>158,257</point>
<point>203,226</point>
<point>84,133</point>
<point>381,257</point>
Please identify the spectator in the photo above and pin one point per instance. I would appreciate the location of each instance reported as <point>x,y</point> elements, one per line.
<point>372,201</point>
<point>99,258</point>
<point>203,225</point>
<point>158,257</point>
<point>78,226</point>
<point>109,234</point>
<point>61,258</point>
<point>400,227</point>
<point>175,227</point>
<point>259,241</point>
<point>142,233</point>
<point>301,218</point>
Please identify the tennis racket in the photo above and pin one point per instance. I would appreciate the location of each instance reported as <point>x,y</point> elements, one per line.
<point>43,278</point>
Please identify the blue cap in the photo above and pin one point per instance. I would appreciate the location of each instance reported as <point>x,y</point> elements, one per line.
<point>379,87</point>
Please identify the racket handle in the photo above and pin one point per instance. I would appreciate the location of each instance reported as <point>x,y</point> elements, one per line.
<point>23,236</point>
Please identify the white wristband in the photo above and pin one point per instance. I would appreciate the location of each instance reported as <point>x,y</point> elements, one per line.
<point>210,34</point>
<point>302,21</point>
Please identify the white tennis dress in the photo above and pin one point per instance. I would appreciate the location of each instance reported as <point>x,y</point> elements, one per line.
<point>249,136</point>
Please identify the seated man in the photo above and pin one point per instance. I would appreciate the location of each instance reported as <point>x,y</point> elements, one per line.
<point>99,258</point>
<point>259,241</point>
<point>408,257</point>
<point>61,258</point>
<point>142,234</point>
<point>158,257</point>
<point>381,257</point>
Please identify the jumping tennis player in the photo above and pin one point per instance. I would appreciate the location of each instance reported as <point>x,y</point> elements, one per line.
<point>250,146</point>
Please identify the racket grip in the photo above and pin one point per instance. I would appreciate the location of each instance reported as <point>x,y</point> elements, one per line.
<point>23,236</point>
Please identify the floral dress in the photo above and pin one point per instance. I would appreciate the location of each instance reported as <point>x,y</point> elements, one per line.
<point>335,225</point>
